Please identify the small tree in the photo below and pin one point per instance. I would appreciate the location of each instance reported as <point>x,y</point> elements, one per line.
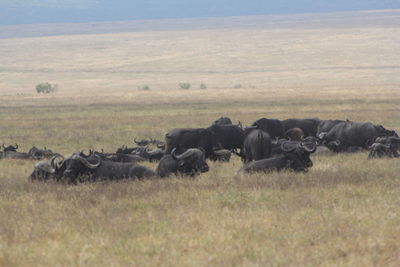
<point>203,86</point>
<point>185,86</point>
<point>46,88</point>
<point>144,88</point>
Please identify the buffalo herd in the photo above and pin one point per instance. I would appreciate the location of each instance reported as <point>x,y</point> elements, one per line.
<point>266,145</point>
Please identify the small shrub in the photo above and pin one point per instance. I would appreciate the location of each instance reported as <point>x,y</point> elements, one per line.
<point>237,86</point>
<point>46,88</point>
<point>203,86</point>
<point>184,86</point>
<point>144,88</point>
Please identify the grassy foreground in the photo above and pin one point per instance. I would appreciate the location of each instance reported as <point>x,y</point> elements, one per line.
<point>344,211</point>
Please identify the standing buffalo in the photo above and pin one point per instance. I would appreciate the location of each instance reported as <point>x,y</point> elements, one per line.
<point>309,126</point>
<point>296,157</point>
<point>190,162</point>
<point>185,138</point>
<point>228,136</point>
<point>273,127</point>
<point>222,121</point>
<point>327,125</point>
<point>257,145</point>
<point>347,135</point>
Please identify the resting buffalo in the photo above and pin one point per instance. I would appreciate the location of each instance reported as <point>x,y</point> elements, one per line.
<point>10,148</point>
<point>385,147</point>
<point>309,126</point>
<point>10,152</point>
<point>223,121</point>
<point>294,134</point>
<point>191,162</point>
<point>94,168</point>
<point>296,157</point>
<point>273,127</point>
<point>277,144</point>
<point>185,138</point>
<point>151,141</point>
<point>44,171</point>
<point>257,145</point>
<point>348,134</point>
<point>38,154</point>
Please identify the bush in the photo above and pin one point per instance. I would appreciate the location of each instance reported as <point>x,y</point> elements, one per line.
<point>237,86</point>
<point>144,88</point>
<point>185,86</point>
<point>203,86</point>
<point>46,88</point>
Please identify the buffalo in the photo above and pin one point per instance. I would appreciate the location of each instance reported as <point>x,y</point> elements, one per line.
<point>228,136</point>
<point>39,154</point>
<point>10,152</point>
<point>222,121</point>
<point>185,138</point>
<point>190,162</point>
<point>294,134</point>
<point>347,135</point>
<point>257,145</point>
<point>386,146</point>
<point>94,168</point>
<point>273,127</point>
<point>44,171</point>
<point>327,125</point>
<point>296,157</point>
<point>309,126</point>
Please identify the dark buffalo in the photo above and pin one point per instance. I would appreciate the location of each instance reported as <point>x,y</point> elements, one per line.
<point>94,168</point>
<point>346,135</point>
<point>185,138</point>
<point>273,127</point>
<point>294,134</point>
<point>327,125</point>
<point>191,162</point>
<point>309,126</point>
<point>257,145</point>
<point>228,136</point>
<point>222,121</point>
<point>10,148</point>
<point>296,157</point>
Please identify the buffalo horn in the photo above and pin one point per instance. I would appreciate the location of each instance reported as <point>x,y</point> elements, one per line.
<point>306,146</point>
<point>182,156</point>
<point>222,152</point>
<point>86,162</point>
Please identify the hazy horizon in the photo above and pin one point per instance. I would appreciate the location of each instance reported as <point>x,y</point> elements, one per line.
<point>57,11</point>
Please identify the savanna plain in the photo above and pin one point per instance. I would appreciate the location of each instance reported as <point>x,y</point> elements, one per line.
<point>343,211</point>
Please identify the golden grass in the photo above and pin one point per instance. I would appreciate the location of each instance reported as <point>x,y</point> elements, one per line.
<point>344,211</point>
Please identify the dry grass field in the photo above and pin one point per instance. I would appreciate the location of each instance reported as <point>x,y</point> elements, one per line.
<point>344,211</point>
